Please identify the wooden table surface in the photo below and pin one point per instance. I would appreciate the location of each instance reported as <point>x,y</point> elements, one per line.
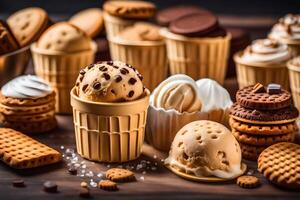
<point>157,184</point>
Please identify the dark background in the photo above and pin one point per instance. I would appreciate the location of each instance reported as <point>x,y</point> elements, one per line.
<point>224,7</point>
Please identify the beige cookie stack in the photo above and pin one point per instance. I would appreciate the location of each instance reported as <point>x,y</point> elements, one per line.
<point>141,45</point>
<point>120,14</point>
<point>262,117</point>
<point>58,56</point>
<point>27,104</point>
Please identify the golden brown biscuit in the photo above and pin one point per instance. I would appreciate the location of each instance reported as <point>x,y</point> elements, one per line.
<point>248,181</point>
<point>280,164</point>
<point>120,175</point>
<point>130,9</point>
<point>26,110</point>
<point>11,101</point>
<point>20,151</point>
<point>108,185</point>
<point>251,152</point>
<point>262,140</point>
<point>263,129</point>
<point>28,24</point>
<point>8,42</point>
<point>89,20</point>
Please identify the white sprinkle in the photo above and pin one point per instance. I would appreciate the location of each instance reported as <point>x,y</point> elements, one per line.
<point>144,172</point>
<point>162,160</point>
<point>142,178</point>
<point>155,156</point>
<point>77,165</point>
<point>69,151</point>
<point>83,166</point>
<point>100,175</point>
<point>82,162</point>
<point>93,183</point>
<point>108,166</point>
<point>89,174</point>
<point>62,147</point>
<point>153,168</point>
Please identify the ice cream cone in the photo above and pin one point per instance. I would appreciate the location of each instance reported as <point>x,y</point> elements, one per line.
<point>61,70</point>
<point>114,25</point>
<point>149,58</point>
<point>109,132</point>
<point>264,73</point>
<point>294,75</point>
<point>198,57</point>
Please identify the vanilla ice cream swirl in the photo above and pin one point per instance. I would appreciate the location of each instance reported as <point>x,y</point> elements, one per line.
<point>178,92</point>
<point>288,27</point>
<point>266,50</point>
<point>26,86</point>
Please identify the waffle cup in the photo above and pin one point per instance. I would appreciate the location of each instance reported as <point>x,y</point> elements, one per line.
<point>114,25</point>
<point>294,75</point>
<point>149,58</point>
<point>162,125</point>
<point>264,73</point>
<point>198,57</point>
<point>109,132</point>
<point>61,71</point>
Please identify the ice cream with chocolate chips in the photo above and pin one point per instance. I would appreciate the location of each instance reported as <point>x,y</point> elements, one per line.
<point>110,82</point>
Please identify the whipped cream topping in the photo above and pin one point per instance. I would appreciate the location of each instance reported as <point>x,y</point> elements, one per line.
<point>288,27</point>
<point>213,95</point>
<point>266,50</point>
<point>178,92</point>
<point>26,86</point>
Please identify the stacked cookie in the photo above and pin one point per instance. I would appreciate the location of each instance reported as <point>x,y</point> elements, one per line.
<point>27,104</point>
<point>262,116</point>
<point>8,42</point>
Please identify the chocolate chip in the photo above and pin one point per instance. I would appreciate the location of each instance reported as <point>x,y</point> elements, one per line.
<point>84,87</point>
<point>113,91</point>
<point>99,62</point>
<point>106,76</point>
<point>84,192</point>
<point>77,83</point>
<point>140,77</point>
<point>118,78</point>
<point>274,88</point>
<point>116,67</point>
<point>82,72</point>
<point>50,186</point>
<point>18,183</point>
<point>81,78</point>
<point>258,88</point>
<point>110,62</point>
<point>72,171</point>
<point>103,68</point>
<point>124,71</point>
<point>90,66</point>
<point>132,81</point>
<point>97,85</point>
<point>130,94</point>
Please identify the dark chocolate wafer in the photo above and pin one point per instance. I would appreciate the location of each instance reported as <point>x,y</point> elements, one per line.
<point>195,25</point>
<point>247,98</point>
<point>280,116</point>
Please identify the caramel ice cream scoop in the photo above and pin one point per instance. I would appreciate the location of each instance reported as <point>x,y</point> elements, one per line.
<point>110,81</point>
<point>64,37</point>
<point>178,92</point>
<point>206,148</point>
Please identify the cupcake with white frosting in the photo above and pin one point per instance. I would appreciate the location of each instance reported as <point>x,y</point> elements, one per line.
<point>287,31</point>
<point>180,100</point>
<point>27,104</point>
<point>264,61</point>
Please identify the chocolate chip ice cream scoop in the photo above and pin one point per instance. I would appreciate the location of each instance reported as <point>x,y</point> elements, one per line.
<point>110,81</point>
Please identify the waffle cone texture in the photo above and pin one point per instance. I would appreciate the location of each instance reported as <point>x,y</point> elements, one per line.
<point>61,71</point>
<point>148,56</point>
<point>264,73</point>
<point>109,132</point>
<point>294,76</point>
<point>198,57</point>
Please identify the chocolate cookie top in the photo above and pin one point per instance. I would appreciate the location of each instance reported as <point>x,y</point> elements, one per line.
<point>166,16</point>
<point>264,99</point>
<point>195,25</point>
<point>240,113</point>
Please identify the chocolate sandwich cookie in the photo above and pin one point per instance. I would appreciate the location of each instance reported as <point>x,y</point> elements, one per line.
<point>166,16</point>
<point>195,25</point>
<point>267,99</point>
<point>280,116</point>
